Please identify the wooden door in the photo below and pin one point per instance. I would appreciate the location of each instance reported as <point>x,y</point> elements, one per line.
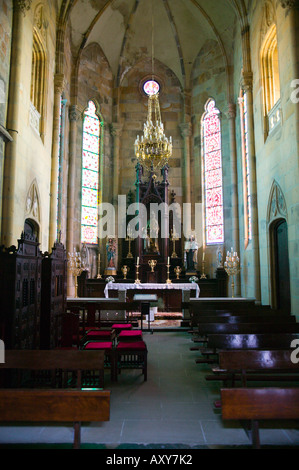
<point>282,270</point>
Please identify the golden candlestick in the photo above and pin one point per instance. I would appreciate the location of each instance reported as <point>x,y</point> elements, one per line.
<point>137,281</point>
<point>232,266</point>
<point>174,238</point>
<point>177,271</point>
<point>168,281</point>
<point>125,271</point>
<point>76,267</point>
<point>152,263</point>
<point>99,267</point>
<point>129,239</point>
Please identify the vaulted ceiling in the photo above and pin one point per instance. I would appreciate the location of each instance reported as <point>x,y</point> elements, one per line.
<point>123,29</point>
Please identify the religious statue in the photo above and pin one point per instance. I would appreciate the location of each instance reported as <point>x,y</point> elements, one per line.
<point>111,254</point>
<point>150,235</point>
<point>191,248</point>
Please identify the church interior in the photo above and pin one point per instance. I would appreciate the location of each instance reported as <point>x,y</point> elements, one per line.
<point>149,223</point>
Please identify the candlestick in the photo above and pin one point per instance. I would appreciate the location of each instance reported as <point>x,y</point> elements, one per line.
<point>137,281</point>
<point>232,266</point>
<point>168,281</point>
<point>137,260</point>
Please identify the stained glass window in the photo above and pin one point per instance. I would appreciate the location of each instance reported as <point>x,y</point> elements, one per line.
<point>246,172</point>
<point>90,175</point>
<point>151,87</point>
<point>212,161</point>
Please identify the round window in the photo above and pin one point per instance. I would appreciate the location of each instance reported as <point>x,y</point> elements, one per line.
<point>151,87</point>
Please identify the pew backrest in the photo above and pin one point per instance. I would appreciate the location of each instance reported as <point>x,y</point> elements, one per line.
<point>251,341</point>
<point>244,328</point>
<point>257,360</point>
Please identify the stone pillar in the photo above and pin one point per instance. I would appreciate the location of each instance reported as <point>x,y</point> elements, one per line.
<point>116,130</point>
<point>58,89</point>
<point>292,17</point>
<point>186,134</point>
<point>74,117</point>
<point>247,86</point>
<point>13,120</point>
<point>231,115</point>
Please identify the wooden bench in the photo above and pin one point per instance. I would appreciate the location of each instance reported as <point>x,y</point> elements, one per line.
<point>61,406</point>
<point>246,319</point>
<point>86,309</point>
<point>217,342</point>
<point>256,404</point>
<point>247,328</point>
<point>255,365</point>
<point>62,361</point>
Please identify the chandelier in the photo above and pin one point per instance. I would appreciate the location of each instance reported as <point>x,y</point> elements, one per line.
<point>153,149</point>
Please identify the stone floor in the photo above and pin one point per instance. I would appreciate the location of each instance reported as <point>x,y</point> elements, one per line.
<point>173,409</point>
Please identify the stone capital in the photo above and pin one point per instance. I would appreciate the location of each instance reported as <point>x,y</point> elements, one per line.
<point>116,129</point>
<point>289,4</point>
<point>74,113</point>
<point>59,83</point>
<point>185,128</point>
<point>247,81</point>
<point>22,5</point>
<point>230,111</point>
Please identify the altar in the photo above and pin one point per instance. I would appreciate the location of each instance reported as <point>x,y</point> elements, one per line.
<point>170,296</point>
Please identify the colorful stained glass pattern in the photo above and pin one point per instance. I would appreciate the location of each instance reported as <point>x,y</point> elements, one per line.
<point>211,131</point>
<point>90,175</point>
<point>151,87</point>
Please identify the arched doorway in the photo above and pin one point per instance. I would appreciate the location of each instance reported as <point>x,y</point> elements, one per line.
<point>280,270</point>
<point>31,228</point>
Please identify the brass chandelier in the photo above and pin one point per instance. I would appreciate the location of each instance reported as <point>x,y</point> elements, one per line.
<point>153,149</point>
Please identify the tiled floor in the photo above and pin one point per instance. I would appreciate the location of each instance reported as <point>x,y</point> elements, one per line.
<point>173,408</point>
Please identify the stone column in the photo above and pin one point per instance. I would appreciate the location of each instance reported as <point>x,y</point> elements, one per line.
<point>291,8</point>
<point>247,86</point>
<point>116,130</point>
<point>58,89</point>
<point>74,117</point>
<point>186,134</point>
<point>231,116</point>
<point>13,121</point>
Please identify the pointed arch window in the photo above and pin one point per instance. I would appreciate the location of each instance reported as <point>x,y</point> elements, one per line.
<point>212,174</point>
<point>90,175</point>
<point>270,79</point>
<point>245,167</point>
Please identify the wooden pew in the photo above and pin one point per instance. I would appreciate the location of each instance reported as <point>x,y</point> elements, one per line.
<point>56,360</point>
<point>256,404</point>
<point>247,319</point>
<point>247,328</point>
<point>255,365</point>
<point>76,406</point>
<point>239,327</point>
<point>217,342</point>
<point>86,308</point>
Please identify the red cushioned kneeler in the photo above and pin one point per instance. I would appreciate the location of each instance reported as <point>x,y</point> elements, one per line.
<point>130,335</point>
<point>109,361</point>
<point>131,355</point>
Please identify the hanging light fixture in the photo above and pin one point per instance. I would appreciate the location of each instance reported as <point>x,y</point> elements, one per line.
<point>153,149</point>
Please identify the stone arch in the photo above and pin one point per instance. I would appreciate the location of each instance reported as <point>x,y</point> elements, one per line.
<point>33,207</point>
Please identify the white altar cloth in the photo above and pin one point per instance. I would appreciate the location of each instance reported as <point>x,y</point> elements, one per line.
<point>152,286</point>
